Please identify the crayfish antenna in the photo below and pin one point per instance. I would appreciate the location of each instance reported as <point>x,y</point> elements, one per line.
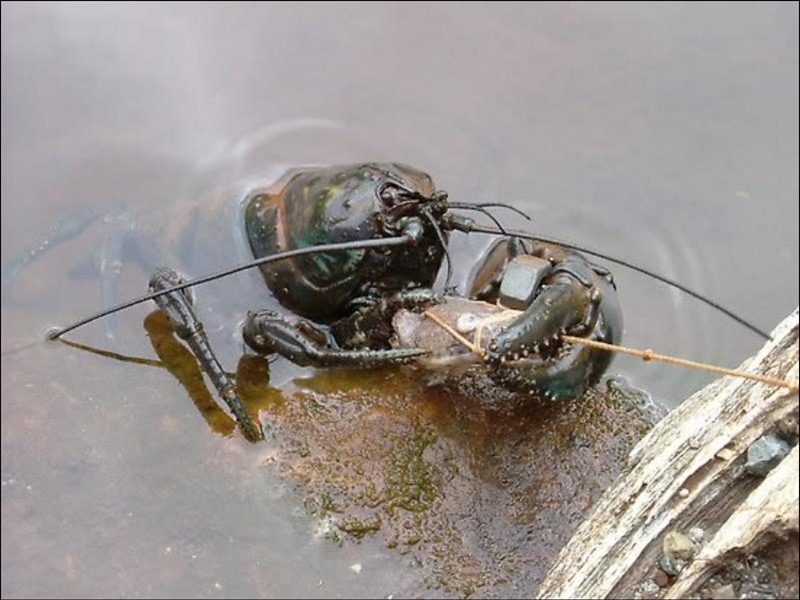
<point>634,267</point>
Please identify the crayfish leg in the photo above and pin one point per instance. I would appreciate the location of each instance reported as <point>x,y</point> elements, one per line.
<point>178,307</point>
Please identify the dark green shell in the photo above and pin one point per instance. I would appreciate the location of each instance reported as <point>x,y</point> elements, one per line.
<point>336,204</point>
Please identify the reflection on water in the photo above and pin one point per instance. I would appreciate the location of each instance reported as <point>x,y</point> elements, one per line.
<point>449,488</point>
<point>666,135</point>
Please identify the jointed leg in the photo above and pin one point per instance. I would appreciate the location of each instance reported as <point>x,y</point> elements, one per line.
<point>303,343</point>
<point>178,307</point>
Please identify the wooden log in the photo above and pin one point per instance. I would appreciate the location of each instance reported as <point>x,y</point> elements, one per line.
<point>689,472</point>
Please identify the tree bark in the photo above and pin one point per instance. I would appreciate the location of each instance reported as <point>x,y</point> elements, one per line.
<point>689,471</point>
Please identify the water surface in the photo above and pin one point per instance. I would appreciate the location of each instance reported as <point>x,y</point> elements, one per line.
<point>662,134</point>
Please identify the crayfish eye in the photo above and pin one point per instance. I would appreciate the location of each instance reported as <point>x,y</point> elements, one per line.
<point>390,193</point>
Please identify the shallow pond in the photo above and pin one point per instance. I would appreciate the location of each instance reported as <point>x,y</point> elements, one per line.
<point>666,135</point>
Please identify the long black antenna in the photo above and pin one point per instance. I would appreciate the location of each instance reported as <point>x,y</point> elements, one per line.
<point>380,242</point>
<point>633,267</point>
<point>403,240</point>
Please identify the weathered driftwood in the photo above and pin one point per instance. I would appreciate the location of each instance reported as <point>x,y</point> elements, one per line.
<point>689,472</point>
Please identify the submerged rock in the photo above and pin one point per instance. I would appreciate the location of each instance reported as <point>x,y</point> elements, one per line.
<point>478,486</point>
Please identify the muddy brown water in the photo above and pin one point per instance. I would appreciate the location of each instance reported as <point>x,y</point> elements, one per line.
<point>662,134</point>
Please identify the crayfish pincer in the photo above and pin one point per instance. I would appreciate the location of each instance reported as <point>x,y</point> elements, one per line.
<point>516,322</point>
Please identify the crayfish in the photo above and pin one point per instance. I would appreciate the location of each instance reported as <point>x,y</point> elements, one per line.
<point>346,249</point>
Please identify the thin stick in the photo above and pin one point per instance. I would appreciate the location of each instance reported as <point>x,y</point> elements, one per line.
<point>648,355</point>
<point>453,332</point>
